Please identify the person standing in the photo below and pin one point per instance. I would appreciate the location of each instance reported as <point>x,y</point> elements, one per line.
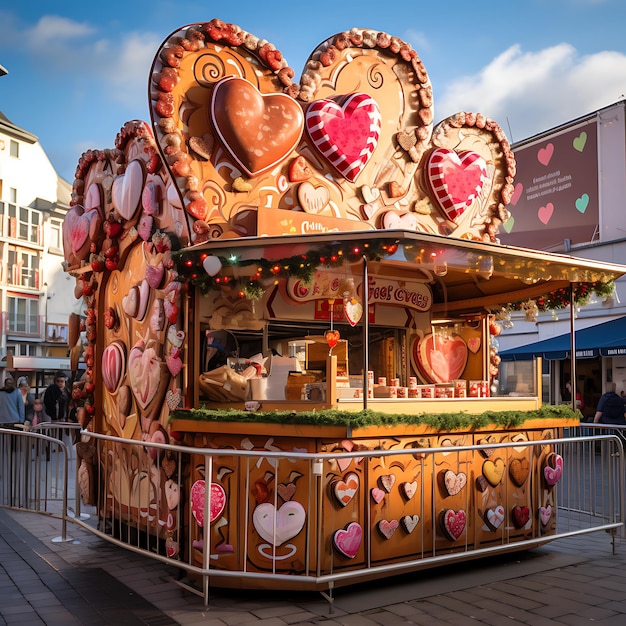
<point>11,403</point>
<point>28,397</point>
<point>611,408</point>
<point>56,399</point>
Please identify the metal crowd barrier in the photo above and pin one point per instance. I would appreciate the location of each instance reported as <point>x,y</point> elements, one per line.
<point>133,514</point>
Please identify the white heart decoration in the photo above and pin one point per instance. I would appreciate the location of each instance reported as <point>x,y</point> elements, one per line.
<point>212,265</point>
<point>113,365</point>
<point>353,310</point>
<point>495,517</point>
<point>313,199</point>
<point>127,190</point>
<point>278,526</point>
<point>410,522</point>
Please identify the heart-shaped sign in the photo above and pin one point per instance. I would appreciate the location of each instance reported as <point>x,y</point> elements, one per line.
<point>441,358</point>
<point>348,540</point>
<point>278,526</point>
<point>258,130</point>
<point>456,179</point>
<point>347,135</point>
<point>217,504</point>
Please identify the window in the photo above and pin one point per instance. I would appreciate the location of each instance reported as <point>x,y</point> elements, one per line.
<point>25,223</point>
<point>22,349</point>
<point>15,149</point>
<point>54,241</point>
<point>23,315</point>
<point>23,268</point>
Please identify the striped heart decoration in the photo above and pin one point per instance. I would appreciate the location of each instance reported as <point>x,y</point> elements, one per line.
<point>456,179</point>
<point>347,135</point>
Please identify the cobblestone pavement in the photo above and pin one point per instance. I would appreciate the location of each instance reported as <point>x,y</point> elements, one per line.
<point>89,581</point>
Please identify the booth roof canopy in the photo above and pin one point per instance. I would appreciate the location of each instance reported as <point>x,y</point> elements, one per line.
<point>466,276</point>
<point>606,339</point>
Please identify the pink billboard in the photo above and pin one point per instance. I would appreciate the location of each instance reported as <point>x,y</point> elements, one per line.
<point>556,191</point>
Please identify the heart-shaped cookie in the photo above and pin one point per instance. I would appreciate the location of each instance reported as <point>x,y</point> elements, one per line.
<point>127,190</point>
<point>519,470</point>
<point>258,130</point>
<point>454,482</point>
<point>453,523</point>
<point>493,471</point>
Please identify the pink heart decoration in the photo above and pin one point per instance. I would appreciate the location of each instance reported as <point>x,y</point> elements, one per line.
<point>545,213</point>
<point>545,513</point>
<point>454,482</point>
<point>346,489</point>
<point>387,528</point>
<point>113,365</point>
<point>441,359</point>
<point>453,523</point>
<point>174,364</point>
<point>127,190</point>
<point>151,198</point>
<point>346,136</point>
<point>76,225</point>
<point>473,343</point>
<point>286,492</point>
<point>545,154</point>
<point>377,495</point>
<point>348,540</point>
<point>456,179</point>
<point>553,470</point>
<point>144,371</point>
<point>517,193</point>
<point>217,505</point>
<point>278,526</point>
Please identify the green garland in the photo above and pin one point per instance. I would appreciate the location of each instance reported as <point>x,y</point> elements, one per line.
<point>560,298</point>
<point>333,417</point>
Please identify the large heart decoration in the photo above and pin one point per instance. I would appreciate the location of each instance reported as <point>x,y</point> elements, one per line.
<point>76,225</point>
<point>441,358</point>
<point>113,365</point>
<point>353,310</point>
<point>277,526</point>
<point>348,540</point>
<point>258,130</point>
<point>347,135</point>
<point>145,371</point>
<point>456,180</point>
<point>217,504</point>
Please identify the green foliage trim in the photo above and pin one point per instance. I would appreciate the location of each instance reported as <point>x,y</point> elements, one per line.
<point>361,419</point>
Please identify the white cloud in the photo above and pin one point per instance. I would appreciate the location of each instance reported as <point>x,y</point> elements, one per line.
<point>52,30</point>
<point>535,91</point>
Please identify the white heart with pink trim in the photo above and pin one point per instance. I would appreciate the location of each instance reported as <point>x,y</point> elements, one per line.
<point>456,180</point>
<point>346,136</point>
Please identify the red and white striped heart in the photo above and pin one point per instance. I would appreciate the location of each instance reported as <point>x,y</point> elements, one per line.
<point>345,135</point>
<point>456,180</point>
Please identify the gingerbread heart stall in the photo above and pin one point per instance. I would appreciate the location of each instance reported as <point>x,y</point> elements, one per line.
<point>254,153</point>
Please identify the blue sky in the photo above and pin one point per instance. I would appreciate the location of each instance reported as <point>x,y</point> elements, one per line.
<point>79,71</point>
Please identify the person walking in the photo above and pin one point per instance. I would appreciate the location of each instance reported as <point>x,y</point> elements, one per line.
<point>11,403</point>
<point>611,408</point>
<point>28,398</point>
<point>56,398</point>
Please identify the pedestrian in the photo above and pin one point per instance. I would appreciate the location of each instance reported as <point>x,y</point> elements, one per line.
<point>28,398</point>
<point>580,402</point>
<point>56,398</point>
<point>11,403</point>
<point>611,408</point>
<point>39,413</point>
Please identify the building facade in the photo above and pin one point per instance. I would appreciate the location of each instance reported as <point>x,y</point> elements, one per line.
<point>36,295</point>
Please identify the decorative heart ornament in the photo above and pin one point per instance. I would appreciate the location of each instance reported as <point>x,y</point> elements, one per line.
<point>409,522</point>
<point>346,489</point>
<point>217,504</point>
<point>278,526</point>
<point>378,495</point>
<point>519,470</point>
<point>441,358</point>
<point>454,483</point>
<point>409,489</point>
<point>258,130</point>
<point>387,528</point>
<point>495,517</point>
<point>332,338</point>
<point>113,365</point>
<point>453,523</point>
<point>553,469</point>
<point>521,516</point>
<point>127,190</point>
<point>346,135</point>
<point>145,373</point>
<point>456,179</point>
<point>545,513</point>
<point>348,540</point>
<point>493,471</point>
<point>353,310</point>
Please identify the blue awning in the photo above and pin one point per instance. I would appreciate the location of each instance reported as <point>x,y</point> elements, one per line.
<point>607,339</point>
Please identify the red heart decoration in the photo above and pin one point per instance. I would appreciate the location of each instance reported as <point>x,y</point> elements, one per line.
<point>346,136</point>
<point>258,130</point>
<point>217,505</point>
<point>332,338</point>
<point>441,359</point>
<point>456,180</point>
<point>453,523</point>
<point>521,515</point>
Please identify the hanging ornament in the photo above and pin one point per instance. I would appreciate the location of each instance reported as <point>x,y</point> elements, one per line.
<point>332,339</point>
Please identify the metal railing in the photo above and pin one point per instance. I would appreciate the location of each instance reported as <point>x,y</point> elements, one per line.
<point>265,515</point>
